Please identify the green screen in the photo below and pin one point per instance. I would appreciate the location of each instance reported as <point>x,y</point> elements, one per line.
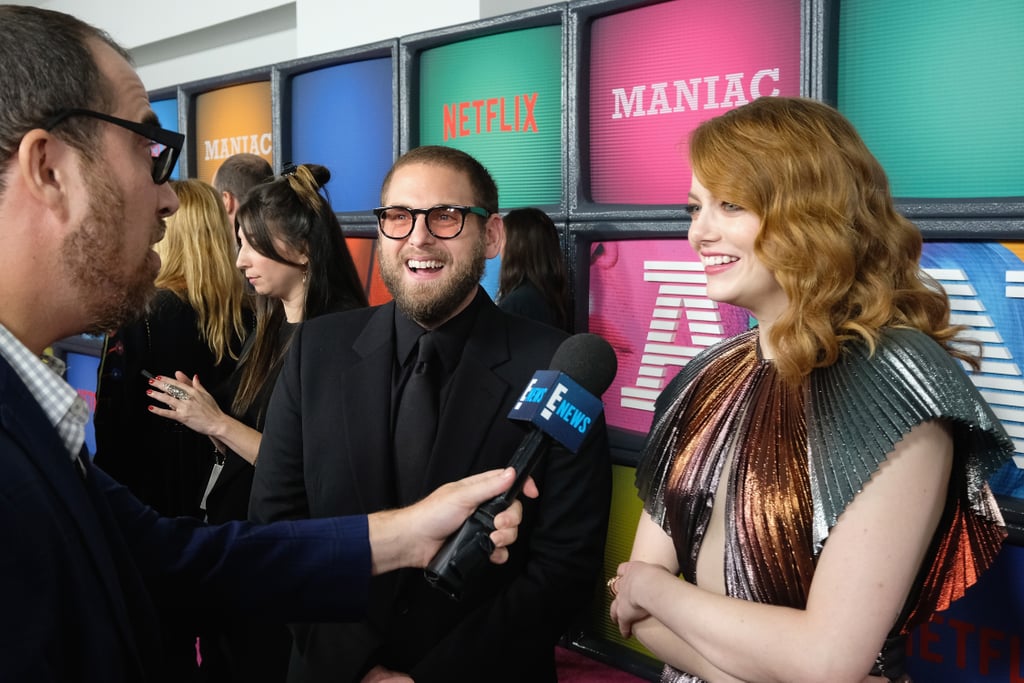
<point>626,508</point>
<point>499,98</point>
<point>936,88</point>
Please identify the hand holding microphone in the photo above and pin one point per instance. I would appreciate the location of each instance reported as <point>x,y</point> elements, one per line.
<point>563,404</point>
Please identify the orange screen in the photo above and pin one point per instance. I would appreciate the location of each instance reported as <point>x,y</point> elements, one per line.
<point>229,121</point>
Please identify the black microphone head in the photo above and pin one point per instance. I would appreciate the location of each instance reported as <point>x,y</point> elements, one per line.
<point>589,360</point>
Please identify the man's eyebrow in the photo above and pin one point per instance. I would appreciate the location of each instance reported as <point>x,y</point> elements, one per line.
<point>150,118</point>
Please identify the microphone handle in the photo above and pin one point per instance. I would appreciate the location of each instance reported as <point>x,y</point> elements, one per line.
<point>523,461</point>
<point>465,552</point>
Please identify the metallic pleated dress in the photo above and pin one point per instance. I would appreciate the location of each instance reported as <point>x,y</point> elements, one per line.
<point>799,457</point>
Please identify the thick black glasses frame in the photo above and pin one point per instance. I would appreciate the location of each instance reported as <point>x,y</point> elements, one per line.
<point>163,163</point>
<point>463,210</point>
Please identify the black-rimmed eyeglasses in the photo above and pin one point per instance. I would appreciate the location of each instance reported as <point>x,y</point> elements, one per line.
<point>444,221</point>
<point>165,145</point>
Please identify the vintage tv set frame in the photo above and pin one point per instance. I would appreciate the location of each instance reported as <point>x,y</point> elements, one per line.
<point>958,218</point>
<point>356,223</point>
<point>814,57</point>
<point>893,65</point>
<point>85,344</point>
<point>411,49</point>
<point>187,96</point>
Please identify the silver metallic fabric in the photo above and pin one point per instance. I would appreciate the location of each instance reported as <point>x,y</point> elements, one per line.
<point>796,457</point>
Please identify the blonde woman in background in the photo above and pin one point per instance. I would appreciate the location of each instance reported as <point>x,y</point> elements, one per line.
<point>196,323</point>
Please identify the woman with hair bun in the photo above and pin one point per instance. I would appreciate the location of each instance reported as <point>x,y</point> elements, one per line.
<point>293,253</point>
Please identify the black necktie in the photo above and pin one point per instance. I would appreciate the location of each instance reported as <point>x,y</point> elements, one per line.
<point>416,422</point>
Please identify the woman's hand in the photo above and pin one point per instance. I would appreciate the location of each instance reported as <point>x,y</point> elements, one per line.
<point>625,587</point>
<point>379,674</point>
<point>186,401</point>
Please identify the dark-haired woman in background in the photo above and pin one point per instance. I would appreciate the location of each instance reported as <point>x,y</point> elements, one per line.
<point>533,281</point>
<point>292,251</point>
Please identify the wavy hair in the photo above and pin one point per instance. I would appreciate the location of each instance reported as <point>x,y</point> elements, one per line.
<point>533,254</point>
<point>847,261</point>
<point>291,210</point>
<point>198,265</point>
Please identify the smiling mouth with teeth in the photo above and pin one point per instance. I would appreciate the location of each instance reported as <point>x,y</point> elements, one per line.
<point>718,260</point>
<point>416,266</point>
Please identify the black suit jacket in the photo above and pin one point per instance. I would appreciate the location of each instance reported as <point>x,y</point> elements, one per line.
<point>326,450</point>
<point>84,566</point>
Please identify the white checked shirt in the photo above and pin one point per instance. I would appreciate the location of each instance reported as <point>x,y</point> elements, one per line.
<point>64,408</point>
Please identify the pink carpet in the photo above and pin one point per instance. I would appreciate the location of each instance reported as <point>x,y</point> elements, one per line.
<point>574,667</point>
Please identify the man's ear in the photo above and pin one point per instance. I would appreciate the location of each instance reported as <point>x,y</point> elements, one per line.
<point>45,164</point>
<point>494,234</point>
<point>230,203</point>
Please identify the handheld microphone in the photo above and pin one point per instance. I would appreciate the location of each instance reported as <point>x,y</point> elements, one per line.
<point>560,404</point>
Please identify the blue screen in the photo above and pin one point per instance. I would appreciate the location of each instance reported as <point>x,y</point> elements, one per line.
<point>167,111</point>
<point>81,374</point>
<point>342,118</point>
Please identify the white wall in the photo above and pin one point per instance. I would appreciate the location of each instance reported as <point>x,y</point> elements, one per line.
<point>188,40</point>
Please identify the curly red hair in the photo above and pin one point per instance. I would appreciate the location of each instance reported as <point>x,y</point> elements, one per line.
<point>847,260</point>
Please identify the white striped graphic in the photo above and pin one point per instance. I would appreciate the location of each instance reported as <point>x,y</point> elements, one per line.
<point>681,304</point>
<point>1000,380</point>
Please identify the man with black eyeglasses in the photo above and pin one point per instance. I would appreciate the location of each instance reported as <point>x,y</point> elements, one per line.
<point>84,566</point>
<point>343,400</point>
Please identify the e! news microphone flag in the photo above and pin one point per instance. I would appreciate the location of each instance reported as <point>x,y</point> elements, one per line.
<point>560,404</point>
<point>554,403</point>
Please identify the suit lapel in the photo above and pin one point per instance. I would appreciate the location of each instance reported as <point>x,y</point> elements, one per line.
<point>473,401</point>
<point>464,423</point>
<point>366,412</point>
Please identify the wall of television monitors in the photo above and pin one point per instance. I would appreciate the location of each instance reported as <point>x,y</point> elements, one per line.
<point>583,109</point>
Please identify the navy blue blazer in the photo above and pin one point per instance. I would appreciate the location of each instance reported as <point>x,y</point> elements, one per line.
<point>84,565</point>
<point>326,450</point>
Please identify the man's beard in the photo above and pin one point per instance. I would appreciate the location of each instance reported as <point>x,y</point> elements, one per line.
<point>433,303</point>
<point>94,259</point>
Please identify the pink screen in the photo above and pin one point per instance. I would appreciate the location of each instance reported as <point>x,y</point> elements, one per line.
<point>648,298</point>
<point>656,72</point>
